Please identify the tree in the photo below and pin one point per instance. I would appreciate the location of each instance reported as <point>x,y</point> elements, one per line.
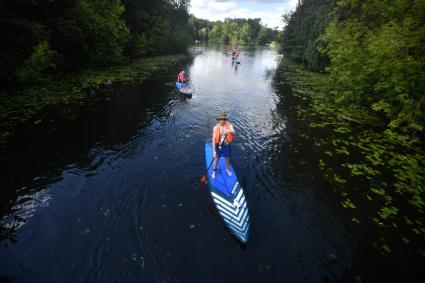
<point>378,58</point>
<point>301,38</point>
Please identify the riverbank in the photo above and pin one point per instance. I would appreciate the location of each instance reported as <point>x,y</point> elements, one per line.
<point>375,174</point>
<point>30,105</point>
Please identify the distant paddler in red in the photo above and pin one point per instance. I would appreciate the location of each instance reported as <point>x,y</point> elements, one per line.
<point>181,77</point>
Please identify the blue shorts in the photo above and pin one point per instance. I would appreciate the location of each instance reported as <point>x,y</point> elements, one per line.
<point>225,151</point>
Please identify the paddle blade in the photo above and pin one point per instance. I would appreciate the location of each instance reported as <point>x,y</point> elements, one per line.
<point>203,180</point>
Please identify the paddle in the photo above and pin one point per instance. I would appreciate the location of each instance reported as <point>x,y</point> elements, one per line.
<point>204,177</point>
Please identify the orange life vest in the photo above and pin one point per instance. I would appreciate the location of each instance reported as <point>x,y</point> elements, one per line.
<point>216,132</point>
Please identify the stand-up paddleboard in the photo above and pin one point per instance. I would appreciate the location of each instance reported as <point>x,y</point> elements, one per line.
<point>184,89</point>
<point>228,197</point>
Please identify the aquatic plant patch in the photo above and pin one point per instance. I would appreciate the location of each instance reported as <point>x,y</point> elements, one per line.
<point>32,104</point>
<point>377,173</point>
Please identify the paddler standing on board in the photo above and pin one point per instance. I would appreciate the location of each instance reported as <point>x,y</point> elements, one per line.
<point>222,138</point>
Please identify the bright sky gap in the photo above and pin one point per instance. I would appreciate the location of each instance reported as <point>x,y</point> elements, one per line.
<point>270,11</point>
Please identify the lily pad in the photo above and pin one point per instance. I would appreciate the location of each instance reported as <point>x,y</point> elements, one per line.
<point>386,248</point>
<point>333,257</point>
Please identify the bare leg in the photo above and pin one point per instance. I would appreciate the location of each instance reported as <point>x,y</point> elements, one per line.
<point>214,168</point>
<point>228,167</point>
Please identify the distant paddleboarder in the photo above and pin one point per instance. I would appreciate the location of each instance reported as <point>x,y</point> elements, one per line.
<point>181,77</point>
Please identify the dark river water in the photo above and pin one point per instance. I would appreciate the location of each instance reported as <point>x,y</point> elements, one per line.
<point>112,194</point>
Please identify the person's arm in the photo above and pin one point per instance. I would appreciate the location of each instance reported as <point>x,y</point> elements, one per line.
<point>231,130</point>
<point>213,143</point>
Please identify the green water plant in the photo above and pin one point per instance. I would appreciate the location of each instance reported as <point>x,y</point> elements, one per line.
<point>377,171</point>
<point>33,103</point>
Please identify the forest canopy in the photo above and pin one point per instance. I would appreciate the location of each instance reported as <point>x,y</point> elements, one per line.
<point>233,31</point>
<point>372,50</point>
<point>40,37</point>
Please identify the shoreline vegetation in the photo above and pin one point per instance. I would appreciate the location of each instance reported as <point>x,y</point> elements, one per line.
<point>375,173</point>
<point>41,39</point>
<point>235,32</point>
<point>361,97</point>
<point>31,104</point>
<point>61,53</point>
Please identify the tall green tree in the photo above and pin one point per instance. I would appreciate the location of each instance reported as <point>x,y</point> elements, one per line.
<point>377,57</point>
<point>104,32</point>
<point>373,51</point>
<point>245,34</point>
<point>234,31</point>
<point>301,38</point>
<point>73,34</point>
<point>157,26</point>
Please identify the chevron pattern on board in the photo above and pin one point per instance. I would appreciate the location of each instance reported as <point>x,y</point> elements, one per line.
<point>235,214</point>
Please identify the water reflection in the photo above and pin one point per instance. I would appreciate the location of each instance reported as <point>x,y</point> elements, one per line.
<point>118,201</point>
<point>77,146</point>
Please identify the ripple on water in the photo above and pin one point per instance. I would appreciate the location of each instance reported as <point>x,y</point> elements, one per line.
<point>125,197</point>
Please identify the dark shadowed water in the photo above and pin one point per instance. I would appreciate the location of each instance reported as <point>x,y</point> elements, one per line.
<point>111,196</point>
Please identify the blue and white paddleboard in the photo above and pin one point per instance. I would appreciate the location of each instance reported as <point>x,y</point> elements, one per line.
<point>184,89</point>
<point>228,197</point>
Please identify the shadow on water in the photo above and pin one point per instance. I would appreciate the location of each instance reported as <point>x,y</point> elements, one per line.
<point>37,155</point>
<point>109,195</point>
<point>295,158</point>
<point>67,149</point>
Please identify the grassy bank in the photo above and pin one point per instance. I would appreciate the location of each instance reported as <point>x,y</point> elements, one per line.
<point>376,174</point>
<point>30,105</point>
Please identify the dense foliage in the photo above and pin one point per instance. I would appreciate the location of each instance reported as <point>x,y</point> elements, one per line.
<point>301,39</point>
<point>233,31</point>
<point>157,26</point>
<point>377,55</point>
<point>376,176</point>
<point>375,51</point>
<point>42,36</point>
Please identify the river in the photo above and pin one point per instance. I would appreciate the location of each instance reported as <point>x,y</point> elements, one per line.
<point>113,195</point>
